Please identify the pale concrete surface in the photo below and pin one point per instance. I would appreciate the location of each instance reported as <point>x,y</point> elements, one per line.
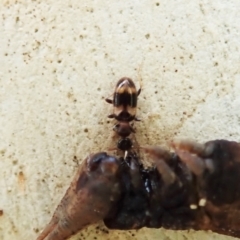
<point>59,59</point>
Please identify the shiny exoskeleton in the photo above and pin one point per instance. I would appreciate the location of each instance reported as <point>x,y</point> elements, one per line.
<point>125,106</point>
<point>194,187</point>
<point>124,144</point>
<point>93,191</point>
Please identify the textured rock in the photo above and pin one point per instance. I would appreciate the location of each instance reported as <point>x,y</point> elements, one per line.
<point>59,60</point>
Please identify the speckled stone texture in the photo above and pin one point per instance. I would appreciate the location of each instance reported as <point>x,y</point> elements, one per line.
<point>60,59</point>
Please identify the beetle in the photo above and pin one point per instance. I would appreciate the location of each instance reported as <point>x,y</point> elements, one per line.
<point>125,106</point>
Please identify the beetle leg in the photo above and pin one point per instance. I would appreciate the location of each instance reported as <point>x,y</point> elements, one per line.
<point>112,115</point>
<point>108,100</point>
<point>139,91</point>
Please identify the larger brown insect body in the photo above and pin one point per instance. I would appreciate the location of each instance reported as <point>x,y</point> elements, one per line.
<point>194,187</point>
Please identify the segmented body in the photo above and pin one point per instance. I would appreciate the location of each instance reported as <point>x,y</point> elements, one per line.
<point>124,106</point>
<point>194,187</point>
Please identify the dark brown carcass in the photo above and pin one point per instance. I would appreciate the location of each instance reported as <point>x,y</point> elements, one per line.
<point>194,187</point>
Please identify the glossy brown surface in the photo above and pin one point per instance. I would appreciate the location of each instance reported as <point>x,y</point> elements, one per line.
<point>194,187</point>
<point>88,199</point>
<point>219,185</point>
<point>125,100</point>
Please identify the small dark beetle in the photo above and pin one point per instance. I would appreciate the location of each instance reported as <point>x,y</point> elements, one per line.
<point>125,106</point>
